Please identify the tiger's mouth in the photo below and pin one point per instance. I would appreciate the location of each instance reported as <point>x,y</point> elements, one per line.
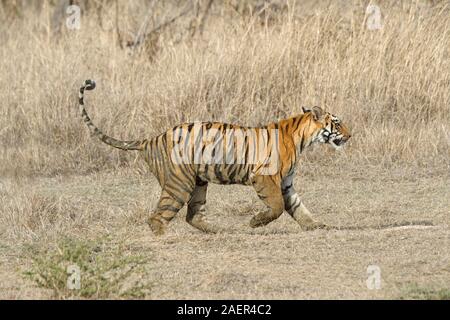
<point>338,142</point>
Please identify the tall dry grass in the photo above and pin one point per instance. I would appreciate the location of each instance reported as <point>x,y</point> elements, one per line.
<point>392,86</point>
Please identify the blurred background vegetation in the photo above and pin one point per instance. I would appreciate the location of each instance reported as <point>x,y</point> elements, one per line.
<point>159,63</point>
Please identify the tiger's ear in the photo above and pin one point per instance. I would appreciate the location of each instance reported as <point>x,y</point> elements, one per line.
<point>318,113</point>
<point>305,109</point>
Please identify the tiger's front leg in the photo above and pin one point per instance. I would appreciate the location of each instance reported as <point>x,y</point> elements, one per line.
<point>296,209</point>
<point>269,191</point>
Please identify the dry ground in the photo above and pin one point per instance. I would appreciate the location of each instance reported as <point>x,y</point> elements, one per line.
<point>278,261</point>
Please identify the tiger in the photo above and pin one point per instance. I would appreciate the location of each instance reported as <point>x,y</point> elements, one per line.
<point>186,158</point>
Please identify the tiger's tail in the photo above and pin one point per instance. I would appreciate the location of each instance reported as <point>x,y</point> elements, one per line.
<point>123,145</point>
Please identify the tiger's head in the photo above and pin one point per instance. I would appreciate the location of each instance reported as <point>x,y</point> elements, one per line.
<point>329,128</point>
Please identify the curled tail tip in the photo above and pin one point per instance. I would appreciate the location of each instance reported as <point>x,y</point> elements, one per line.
<point>89,84</point>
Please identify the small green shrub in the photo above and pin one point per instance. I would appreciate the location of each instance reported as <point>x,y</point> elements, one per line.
<point>104,270</point>
<point>417,292</point>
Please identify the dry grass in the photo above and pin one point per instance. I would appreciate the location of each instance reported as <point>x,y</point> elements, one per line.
<point>278,261</point>
<point>390,85</point>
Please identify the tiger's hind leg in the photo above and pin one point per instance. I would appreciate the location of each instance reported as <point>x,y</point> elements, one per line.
<point>167,208</point>
<point>196,209</point>
<point>269,191</point>
<point>296,209</point>
<point>173,197</point>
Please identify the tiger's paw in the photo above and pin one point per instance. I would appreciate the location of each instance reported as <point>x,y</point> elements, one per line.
<point>157,226</point>
<point>207,228</point>
<point>255,222</point>
<point>315,225</point>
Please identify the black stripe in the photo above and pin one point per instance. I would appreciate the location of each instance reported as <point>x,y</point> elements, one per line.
<point>247,173</point>
<point>293,205</point>
<point>206,172</point>
<point>292,208</point>
<point>186,174</point>
<point>168,208</point>
<point>246,150</point>
<point>199,182</point>
<point>232,174</point>
<point>301,141</point>
<point>174,197</point>
<point>286,189</point>
<point>218,174</point>
<point>296,123</point>
<point>179,182</point>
